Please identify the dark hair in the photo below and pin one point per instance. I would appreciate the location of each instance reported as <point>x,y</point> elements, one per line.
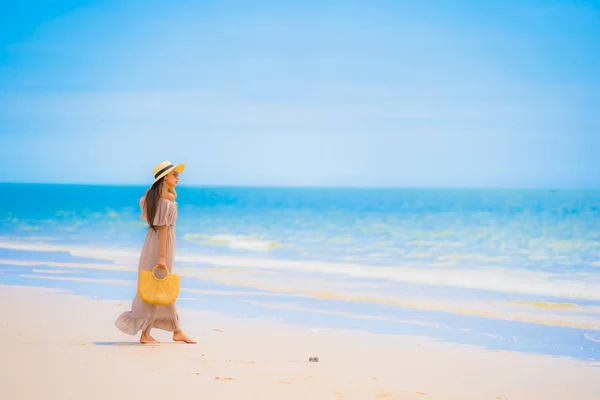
<point>151,202</point>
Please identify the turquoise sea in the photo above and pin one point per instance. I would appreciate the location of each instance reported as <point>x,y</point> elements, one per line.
<point>503,269</point>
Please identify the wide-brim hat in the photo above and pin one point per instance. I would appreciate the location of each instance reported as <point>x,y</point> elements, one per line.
<point>164,168</point>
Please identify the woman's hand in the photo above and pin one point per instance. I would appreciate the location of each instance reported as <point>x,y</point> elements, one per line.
<point>162,260</point>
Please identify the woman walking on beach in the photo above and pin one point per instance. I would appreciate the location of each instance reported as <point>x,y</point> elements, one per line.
<point>159,210</point>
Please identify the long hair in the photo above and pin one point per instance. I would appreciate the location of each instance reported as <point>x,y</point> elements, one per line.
<point>151,199</point>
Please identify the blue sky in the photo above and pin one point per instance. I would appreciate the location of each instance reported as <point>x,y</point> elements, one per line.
<point>370,93</point>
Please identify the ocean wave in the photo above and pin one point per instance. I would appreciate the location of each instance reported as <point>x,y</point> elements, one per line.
<point>592,337</point>
<point>419,255</point>
<point>47,271</point>
<point>511,280</point>
<point>119,282</point>
<point>444,264</point>
<point>237,242</point>
<point>81,265</point>
<point>436,243</point>
<point>571,315</point>
<point>471,257</point>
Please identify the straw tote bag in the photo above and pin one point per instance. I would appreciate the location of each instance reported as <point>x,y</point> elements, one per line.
<point>162,292</point>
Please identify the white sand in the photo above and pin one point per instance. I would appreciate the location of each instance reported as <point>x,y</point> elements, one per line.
<point>61,346</point>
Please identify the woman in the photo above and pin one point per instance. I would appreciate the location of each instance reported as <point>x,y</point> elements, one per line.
<point>159,210</point>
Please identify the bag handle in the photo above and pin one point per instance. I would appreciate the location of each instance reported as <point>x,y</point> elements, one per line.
<point>163,267</point>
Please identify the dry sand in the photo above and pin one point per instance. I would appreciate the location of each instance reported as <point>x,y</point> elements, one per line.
<point>56,345</point>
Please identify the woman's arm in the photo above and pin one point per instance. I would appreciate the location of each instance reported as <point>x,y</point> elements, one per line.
<point>162,234</point>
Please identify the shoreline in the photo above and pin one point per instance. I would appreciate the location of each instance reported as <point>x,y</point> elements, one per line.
<point>530,328</point>
<point>524,285</point>
<point>68,343</point>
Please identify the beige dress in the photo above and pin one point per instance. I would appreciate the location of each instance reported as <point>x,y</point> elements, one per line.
<point>144,316</point>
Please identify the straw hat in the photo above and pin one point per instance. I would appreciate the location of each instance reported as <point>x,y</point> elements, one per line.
<point>164,168</point>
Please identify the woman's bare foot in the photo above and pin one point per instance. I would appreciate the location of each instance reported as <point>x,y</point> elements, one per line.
<point>179,336</point>
<point>147,339</point>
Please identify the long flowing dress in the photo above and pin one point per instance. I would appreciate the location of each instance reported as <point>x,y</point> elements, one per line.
<point>144,316</point>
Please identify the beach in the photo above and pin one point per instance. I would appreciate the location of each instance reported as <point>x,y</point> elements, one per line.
<point>66,346</point>
<point>361,200</point>
<point>405,294</point>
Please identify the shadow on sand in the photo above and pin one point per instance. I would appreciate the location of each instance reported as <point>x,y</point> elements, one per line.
<point>133,344</point>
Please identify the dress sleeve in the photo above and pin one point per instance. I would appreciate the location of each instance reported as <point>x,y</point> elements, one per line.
<point>165,214</point>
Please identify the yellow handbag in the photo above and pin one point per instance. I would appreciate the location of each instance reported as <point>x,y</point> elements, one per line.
<point>161,292</point>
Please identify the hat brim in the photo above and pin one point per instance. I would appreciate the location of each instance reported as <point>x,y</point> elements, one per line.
<point>179,168</point>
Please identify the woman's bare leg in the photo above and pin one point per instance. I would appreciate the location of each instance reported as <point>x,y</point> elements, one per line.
<point>179,336</point>
<point>147,339</point>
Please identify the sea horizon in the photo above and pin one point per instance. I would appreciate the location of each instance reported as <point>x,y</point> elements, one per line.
<point>320,187</point>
